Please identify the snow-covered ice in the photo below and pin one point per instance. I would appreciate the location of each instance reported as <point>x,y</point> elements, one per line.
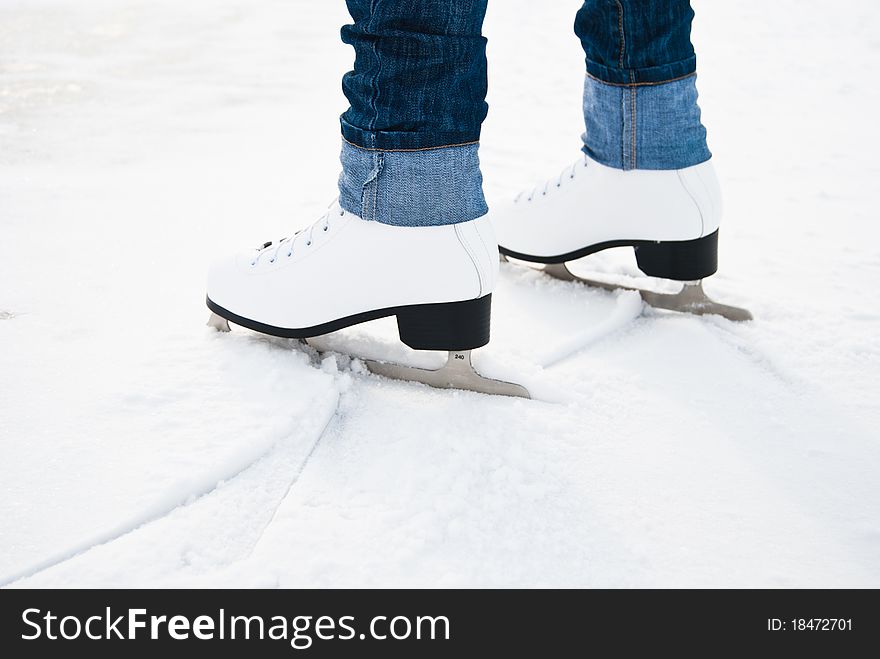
<point>140,448</point>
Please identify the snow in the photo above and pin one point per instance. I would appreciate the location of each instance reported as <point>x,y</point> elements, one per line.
<point>140,448</point>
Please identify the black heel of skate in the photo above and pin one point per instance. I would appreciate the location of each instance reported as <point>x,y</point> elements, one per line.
<point>446,326</point>
<point>457,327</point>
<point>685,260</point>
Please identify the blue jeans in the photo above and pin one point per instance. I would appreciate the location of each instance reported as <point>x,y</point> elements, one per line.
<point>417,101</point>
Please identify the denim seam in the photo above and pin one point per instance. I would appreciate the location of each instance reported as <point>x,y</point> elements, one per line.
<point>380,162</point>
<point>374,82</point>
<point>426,148</point>
<point>370,190</point>
<point>622,34</point>
<point>639,84</point>
<point>622,129</point>
<point>633,155</point>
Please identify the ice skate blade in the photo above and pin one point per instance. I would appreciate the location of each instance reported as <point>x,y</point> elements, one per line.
<point>457,373</point>
<point>219,323</point>
<point>690,299</point>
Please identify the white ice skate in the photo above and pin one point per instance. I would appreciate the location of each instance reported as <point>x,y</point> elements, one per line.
<point>342,271</point>
<point>670,218</point>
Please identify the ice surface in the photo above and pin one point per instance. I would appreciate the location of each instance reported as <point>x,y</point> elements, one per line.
<point>137,447</point>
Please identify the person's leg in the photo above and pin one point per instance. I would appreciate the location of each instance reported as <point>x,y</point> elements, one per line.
<point>646,179</point>
<point>417,95</point>
<point>640,96</point>
<point>408,236</point>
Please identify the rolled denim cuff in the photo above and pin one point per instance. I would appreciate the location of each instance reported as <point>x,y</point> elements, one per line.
<point>401,140</point>
<point>644,126</point>
<point>427,187</point>
<point>652,74</point>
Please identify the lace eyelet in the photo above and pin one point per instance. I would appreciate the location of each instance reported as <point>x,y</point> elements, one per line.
<point>325,228</point>
<point>309,244</point>
<point>289,254</point>
<point>272,260</point>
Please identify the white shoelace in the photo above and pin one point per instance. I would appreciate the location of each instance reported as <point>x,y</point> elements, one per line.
<point>567,174</point>
<point>290,243</point>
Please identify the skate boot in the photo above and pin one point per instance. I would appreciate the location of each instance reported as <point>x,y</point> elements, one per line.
<point>343,270</point>
<point>669,217</point>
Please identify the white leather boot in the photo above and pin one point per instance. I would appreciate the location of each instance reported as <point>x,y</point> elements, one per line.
<point>669,217</point>
<point>343,270</point>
